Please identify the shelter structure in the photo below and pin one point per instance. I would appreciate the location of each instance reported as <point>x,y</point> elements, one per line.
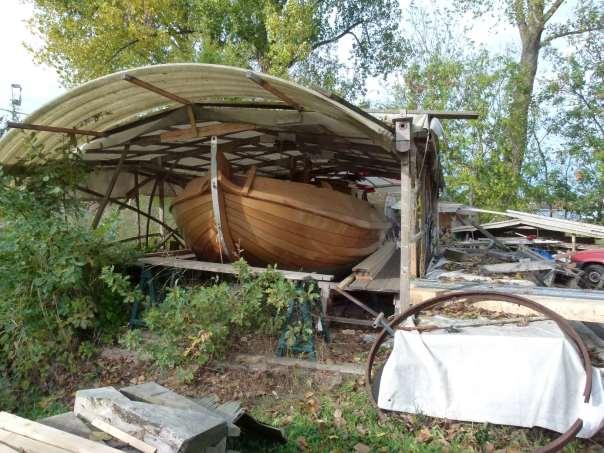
<point>519,223</point>
<point>147,131</point>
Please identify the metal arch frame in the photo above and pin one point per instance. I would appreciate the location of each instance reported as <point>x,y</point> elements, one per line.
<point>472,297</point>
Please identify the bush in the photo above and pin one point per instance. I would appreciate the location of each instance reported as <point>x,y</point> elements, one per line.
<point>193,325</point>
<point>56,292</point>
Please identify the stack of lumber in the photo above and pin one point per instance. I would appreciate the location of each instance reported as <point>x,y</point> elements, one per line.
<point>373,264</point>
<point>21,435</point>
<point>144,418</point>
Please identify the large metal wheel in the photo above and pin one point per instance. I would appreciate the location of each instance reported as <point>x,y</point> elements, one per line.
<point>471,297</point>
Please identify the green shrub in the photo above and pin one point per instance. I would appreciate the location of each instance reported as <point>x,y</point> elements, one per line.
<point>193,325</point>
<point>56,293</point>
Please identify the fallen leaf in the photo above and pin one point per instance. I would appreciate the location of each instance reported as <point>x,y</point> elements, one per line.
<point>361,448</point>
<point>302,443</point>
<point>361,430</point>
<point>287,420</point>
<point>348,332</point>
<point>488,447</point>
<point>424,435</point>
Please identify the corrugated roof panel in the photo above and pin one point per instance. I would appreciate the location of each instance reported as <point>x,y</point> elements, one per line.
<point>111,101</point>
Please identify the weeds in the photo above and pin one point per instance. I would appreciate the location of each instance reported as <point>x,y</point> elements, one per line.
<point>196,324</point>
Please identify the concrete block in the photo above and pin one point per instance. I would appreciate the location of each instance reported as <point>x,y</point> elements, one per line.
<point>152,392</point>
<point>169,429</point>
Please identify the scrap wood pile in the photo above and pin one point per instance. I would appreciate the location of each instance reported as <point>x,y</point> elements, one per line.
<point>495,261</point>
<point>145,418</point>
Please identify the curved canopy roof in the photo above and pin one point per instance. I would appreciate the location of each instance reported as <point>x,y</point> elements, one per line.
<point>156,122</point>
<point>112,101</point>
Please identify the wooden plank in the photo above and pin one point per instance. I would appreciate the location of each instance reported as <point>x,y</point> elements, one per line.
<point>344,368</point>
<point>353,321</point>
<point>575,305</point>
<point>6,449</point>
<point>271,89</point>
<point>22,443</point>
<point>403,132</point>
<point>60,130</point>
<point>52,436</point>
<point>518,266</point>
<point>123,436</point>
<point>207,131</point>
<point>449,115</point>
<point>373,264</point>
<point>221,268</point>
<point>156,89</point>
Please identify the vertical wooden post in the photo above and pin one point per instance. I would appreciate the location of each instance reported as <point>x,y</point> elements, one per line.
<point>412,219</point>
<point>149,212</point>
<point>137,200</point>
<point>403,143</point>
<point>162,202</point>
<point>105,200</point>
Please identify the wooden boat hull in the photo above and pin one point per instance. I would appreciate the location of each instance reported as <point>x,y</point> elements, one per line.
<point>268,221</point>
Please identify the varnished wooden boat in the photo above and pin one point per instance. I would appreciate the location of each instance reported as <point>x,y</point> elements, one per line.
<point>269,221</point>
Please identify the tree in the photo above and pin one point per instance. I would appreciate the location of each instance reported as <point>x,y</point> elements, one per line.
<point>534,22</point>
<point>84,39</point>
<point>571,110</point>
<point>441,75</point>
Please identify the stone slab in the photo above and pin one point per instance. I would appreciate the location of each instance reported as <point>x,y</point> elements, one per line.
<point>152,392</point>
<point>168,429</point>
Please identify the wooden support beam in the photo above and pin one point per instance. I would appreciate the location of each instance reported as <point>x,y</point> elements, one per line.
<point>402,145</point>
<point>137,201</point>
<point>103,204</point>
<point>448,115</point>
<point>207,131</point>
<point>271,89</point>
<point>59,130</point>
<point>132,208</point>
<point>156,89</point>
<point>150,206</point>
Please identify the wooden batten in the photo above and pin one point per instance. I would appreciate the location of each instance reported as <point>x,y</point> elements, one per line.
<point>207,131</point>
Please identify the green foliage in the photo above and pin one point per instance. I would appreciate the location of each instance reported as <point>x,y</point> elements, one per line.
<point>443,76</point>
<point>568,133</point>
<point>87,39</point>
<point>193,325</point>
<point>562,166</point>
<point>55,301</point>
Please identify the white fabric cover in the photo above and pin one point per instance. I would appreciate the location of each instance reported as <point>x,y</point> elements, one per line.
<point>511,375</point>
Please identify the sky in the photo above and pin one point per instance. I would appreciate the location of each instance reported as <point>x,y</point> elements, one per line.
<point>40,84</point>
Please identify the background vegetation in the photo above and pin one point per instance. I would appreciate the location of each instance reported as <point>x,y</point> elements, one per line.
<point>538,144</point>
<point>57,279</point>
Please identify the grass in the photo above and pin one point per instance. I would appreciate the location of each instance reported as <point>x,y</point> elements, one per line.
<point>344,420</point>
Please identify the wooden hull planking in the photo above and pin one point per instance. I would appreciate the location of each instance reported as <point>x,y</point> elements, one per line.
<point>269,221</point>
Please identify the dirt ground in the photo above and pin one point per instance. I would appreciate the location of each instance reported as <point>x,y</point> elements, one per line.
<point>286,396</point>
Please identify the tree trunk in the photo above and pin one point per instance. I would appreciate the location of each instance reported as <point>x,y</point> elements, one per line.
<point>522,92</point>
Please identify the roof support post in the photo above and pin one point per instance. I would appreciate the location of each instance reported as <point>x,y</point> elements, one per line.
<point>402,145</point>
<point>105,200</point>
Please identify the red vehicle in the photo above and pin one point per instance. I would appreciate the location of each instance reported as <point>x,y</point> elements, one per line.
<point>591,262</point>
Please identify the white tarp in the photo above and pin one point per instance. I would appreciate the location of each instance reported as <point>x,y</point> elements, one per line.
<point>511,375</point>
